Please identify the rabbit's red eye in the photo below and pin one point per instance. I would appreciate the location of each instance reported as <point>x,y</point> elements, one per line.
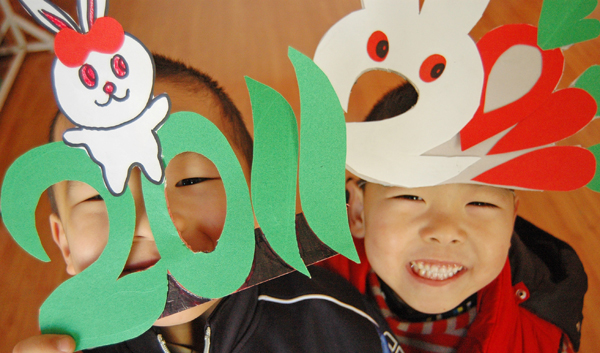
<point>88,76</point>
<point>432,68</point>
<point>378,46</point>
<point>119,66</point>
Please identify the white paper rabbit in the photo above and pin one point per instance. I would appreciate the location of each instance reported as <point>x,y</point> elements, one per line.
<point>431,48</point>
<point>103,80</point>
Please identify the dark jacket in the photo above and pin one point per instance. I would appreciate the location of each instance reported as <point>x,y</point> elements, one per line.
<point>291,313</point>
<point>537,297</point>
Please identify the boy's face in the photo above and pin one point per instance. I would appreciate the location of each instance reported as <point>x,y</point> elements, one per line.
<point>195,193</point>
<point>434,246</point>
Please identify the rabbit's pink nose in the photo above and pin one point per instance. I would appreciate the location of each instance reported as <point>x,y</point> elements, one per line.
<point>109,88</point>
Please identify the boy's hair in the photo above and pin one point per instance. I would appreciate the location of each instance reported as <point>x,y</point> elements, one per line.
<point>177,72</point>
<point>397,101</point>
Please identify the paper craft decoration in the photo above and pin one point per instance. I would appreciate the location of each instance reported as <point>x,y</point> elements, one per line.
<point>562,23</point>
<point>486,113</point>
<point>99,307</point>
<point>102,79</point>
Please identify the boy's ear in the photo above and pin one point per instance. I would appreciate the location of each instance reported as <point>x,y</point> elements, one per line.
<point>60,238</point>
<point>356,213</point>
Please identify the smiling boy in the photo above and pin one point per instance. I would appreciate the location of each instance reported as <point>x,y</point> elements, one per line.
<point>428,243</point>
<point>451,271</point>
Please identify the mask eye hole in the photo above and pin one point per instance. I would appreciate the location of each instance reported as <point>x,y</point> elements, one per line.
<point>119,66</point>
<point>432,68</point>
<point>378,46</point>
<point>88,76</point>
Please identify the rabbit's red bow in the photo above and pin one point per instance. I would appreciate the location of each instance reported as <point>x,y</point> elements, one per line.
<point>105,36</point>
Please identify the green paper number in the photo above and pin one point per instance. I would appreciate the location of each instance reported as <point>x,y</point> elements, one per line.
<point>223,271</point>
<point>89,306</point>
<point>274,171</point>
<point>83,305</point>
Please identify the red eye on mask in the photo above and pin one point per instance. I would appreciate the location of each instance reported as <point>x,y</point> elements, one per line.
<point>378,46</point>
<point>88,76</point>
<point>432,68</point>
<point>119,66</point>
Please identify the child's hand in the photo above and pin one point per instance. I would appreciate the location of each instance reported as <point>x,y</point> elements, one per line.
<point>46,344</point>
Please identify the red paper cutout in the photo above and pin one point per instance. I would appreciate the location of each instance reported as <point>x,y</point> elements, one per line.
<point>559,168</point>
<point>491,47</point>
<point>105,36</point>
<point>562,114</point>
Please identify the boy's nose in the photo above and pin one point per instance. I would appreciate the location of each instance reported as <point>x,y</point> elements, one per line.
<point>443,230</point>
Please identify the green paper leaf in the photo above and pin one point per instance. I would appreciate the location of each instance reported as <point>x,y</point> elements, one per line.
<point>275,171</point>
<point>590,82</point>
<point>563,22</point>
<point>322,175</point>
<point>594,184</point>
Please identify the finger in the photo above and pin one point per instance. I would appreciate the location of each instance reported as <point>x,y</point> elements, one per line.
<point>46,344</point>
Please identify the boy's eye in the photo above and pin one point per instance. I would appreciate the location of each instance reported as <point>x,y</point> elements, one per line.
<point>482,204</point>
<point>409,197</point>
<point>95,198</point>
<point>191,181</point>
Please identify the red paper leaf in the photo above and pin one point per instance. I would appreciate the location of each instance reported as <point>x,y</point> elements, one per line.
<point>564,113</point>
<point>491,47</point>
<point>559,168</point>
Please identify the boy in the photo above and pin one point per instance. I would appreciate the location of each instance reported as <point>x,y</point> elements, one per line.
<point>448,273</point>
<point>290,313</point>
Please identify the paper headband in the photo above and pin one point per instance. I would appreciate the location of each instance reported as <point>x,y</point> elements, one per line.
<point>486,112</point>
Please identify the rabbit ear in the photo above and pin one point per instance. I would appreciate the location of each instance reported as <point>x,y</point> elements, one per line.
<point>89,11</point>
<point>49,15</point>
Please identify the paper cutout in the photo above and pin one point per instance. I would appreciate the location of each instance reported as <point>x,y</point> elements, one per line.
<point>562,23</point>
<point>492,46</point>
<point>102,80</point>
<point>448,95</point>
<point>322,176</point>
<point>83,305</point>
<point>521,67</point>
<point>563,114</point>
<point>223,271</point>
<point>560,168</point>
<point>594,184</point>
<point>275,154</point>
<point>89,306</point>
<point>512,118</point>
<point>590,82</point>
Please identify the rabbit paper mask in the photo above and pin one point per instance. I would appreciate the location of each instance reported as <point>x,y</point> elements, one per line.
<point>103,79</point>
<point>442,110</point>
<point>486,112</point>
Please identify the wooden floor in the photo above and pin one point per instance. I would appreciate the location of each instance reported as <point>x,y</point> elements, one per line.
<point>229,39</point>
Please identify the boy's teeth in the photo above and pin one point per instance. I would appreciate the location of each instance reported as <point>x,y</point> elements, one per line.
<point>435,272</point>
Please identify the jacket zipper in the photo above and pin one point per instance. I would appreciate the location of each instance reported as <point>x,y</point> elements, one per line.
<point>207,339</point>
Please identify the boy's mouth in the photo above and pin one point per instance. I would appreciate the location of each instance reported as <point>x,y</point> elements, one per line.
<point>436,272</point>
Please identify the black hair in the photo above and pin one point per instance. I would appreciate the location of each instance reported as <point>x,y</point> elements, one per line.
<point>395,102</point>
<point>177,72</point>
